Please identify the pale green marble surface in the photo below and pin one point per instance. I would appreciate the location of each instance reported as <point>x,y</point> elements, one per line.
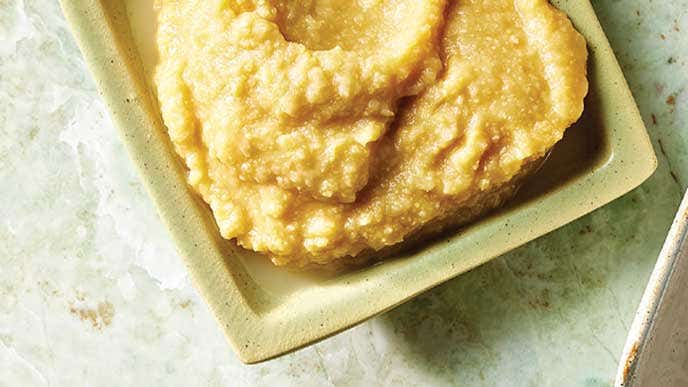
<point>92,292</point>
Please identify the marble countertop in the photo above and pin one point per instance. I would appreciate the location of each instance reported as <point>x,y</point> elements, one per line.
<point>93,293</point>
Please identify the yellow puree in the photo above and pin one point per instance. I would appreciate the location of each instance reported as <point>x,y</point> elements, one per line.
<point>320,129</point>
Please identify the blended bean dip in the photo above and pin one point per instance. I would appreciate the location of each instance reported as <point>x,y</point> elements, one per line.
<point>320,130</point>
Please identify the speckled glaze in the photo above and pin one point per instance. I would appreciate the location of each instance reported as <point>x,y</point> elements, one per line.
<point>261,324</point>
<point>92,292</point>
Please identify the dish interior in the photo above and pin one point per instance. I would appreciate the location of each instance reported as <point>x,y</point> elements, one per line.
<point>580,152</point>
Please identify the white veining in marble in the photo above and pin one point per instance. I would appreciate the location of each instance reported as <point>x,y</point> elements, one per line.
<point>92,292</point>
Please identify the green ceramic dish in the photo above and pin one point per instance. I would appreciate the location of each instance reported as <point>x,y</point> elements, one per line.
<point>267,311</point>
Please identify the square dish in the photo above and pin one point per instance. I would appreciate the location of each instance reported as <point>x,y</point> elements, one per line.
<point>267,311</point>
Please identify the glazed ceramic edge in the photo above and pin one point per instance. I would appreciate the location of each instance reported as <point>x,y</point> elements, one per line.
<point>675,245</point>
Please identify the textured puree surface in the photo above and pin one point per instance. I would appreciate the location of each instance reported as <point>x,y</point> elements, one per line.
<point>299,114</point>
<point>554,312</point>
<point>288,116</point>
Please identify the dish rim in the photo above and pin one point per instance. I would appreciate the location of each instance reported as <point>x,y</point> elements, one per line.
<point>260,326</point>
<point>652,304</point>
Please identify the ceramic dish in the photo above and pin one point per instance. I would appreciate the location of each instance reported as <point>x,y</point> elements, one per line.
<point>267,311</point>
<point>656,351</point>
